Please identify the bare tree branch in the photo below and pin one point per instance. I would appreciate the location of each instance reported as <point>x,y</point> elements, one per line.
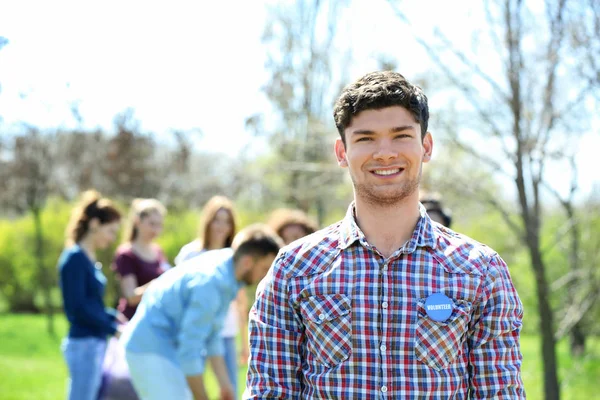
<point>469,92</point>
<point>472,66</point>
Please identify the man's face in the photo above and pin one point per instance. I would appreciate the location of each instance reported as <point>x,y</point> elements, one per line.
<point>257,268</point>
<point>384,155</point>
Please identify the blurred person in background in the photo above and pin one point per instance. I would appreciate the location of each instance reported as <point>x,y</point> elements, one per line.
<point>140,260</point>
<point>94,225</point>
<point>137,262</point>
<point>216,231</point>
<point>177,326</point>
<point>291,224</point>
<point>435,209</point>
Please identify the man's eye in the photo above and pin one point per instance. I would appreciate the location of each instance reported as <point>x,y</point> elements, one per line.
<point>364,139</point>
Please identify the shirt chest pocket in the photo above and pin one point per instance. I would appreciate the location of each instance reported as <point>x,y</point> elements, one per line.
<point>328,328</point>
<point>437,344</point>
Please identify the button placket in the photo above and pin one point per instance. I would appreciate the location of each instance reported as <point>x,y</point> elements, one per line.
<point>385,318</point>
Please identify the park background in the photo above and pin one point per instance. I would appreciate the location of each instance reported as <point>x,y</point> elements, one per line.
<point>191,99</point>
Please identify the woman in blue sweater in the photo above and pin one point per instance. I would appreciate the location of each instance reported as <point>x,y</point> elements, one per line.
<point>94,225</point>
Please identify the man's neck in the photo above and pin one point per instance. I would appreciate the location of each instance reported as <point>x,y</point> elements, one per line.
<point>388,227</point>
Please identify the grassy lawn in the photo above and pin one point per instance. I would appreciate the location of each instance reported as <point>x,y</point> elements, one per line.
<point>32,367</point>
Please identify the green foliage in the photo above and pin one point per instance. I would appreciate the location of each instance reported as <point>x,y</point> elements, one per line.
<point>18,265</point>
<point>20,283</point>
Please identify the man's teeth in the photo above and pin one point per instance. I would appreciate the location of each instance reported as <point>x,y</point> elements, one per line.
<point>387,171</point>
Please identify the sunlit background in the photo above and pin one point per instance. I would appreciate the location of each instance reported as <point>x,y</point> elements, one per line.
<point>183,100</point>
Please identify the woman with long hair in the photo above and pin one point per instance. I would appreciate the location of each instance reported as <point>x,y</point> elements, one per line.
<point>140,260</point>
<point>94,225</point>
<point>216,231</point>
<point>137,262</point>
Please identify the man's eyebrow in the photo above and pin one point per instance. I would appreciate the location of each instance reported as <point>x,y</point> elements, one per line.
<point>402,128</point>
<point>363,132</point>
<point>394,129</point>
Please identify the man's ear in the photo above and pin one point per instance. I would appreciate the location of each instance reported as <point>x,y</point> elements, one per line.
<point>245,263</point>
<point>340,153</point>
<point>427,147</point>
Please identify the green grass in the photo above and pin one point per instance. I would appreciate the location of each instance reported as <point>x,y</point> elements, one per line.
<point>32,367</point>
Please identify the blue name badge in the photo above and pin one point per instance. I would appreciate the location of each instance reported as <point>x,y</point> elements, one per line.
<point>439,307</point>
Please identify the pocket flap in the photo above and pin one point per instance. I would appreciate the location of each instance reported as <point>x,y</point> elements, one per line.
<point>319,309</point>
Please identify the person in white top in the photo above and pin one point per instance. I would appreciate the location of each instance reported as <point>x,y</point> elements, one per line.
<point>217,229</point>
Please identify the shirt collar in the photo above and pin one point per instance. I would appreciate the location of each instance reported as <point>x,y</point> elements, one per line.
<point>229,280</point>
<point>423,235</point>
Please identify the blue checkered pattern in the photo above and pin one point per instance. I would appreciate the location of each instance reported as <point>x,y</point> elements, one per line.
<point>334,319</point>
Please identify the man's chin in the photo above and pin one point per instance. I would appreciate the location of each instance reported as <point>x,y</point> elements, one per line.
<point>383,197</point>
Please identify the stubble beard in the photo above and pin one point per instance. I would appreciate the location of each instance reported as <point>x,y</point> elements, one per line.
<point>386,197</point>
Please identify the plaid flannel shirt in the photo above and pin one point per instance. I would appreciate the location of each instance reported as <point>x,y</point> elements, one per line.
<point>334,319</point>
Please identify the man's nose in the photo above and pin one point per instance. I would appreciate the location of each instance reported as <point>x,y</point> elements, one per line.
<point>385,150</point>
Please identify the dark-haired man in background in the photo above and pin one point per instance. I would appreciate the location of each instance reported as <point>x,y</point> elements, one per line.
<point>177,326</point>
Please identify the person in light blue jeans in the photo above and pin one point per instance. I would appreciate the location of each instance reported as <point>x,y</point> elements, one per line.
<point>84,358</point>
<point>175,330</point>
<point>94,225</point>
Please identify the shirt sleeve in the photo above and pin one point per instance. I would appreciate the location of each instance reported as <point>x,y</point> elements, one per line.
<point>181,256</point>
<point>495,357</point>
<point>275,334</point>
<point>77,302</point>
<point>124,265</point>
<point>198,335</point>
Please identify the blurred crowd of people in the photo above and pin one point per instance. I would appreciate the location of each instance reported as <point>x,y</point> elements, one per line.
<point>97,368</point>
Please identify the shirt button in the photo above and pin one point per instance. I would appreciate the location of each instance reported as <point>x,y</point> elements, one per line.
<point>383,347</point>
<point>384,304</point>
<point>321,317</point>
<point>384,389</point>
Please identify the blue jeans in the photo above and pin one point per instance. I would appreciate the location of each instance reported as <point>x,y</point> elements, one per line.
<point>157,378</point>
<point>231,358</point>
<point>84,357</point>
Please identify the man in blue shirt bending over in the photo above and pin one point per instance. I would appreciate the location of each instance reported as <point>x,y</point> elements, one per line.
<point>176,327</point>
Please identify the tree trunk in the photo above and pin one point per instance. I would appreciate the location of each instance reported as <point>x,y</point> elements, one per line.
<point>577,340</point>
<point>43,273</point>
<point>577,335</point>
<point>551,384</point>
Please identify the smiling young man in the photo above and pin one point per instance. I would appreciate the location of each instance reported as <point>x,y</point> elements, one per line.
<point>385,303</point>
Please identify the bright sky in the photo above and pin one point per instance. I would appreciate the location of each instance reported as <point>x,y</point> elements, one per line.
<point>184,65</point>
